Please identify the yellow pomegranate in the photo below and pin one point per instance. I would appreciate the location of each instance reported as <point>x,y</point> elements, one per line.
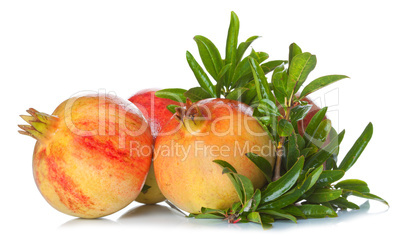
<point>198,134</point>
<point>84,161</point>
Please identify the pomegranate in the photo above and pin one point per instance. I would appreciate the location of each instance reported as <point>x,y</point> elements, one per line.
<point>86,161</point>
<point>154,110</point>
<point>199,133</point>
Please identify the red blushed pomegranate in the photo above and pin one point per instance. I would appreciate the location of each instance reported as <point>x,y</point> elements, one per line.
<point>198,134</point>
<point>154,110</point>
<point>87,161</point>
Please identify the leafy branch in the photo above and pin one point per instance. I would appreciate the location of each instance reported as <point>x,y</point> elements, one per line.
<point>302,192</point>
<point>231,74</point>
<point>305,189</point>
<point>305,180</point>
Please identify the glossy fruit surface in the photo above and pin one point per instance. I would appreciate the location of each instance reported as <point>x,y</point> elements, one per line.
<point>154,110</point>
<point>92,155</point>
<point>208,130</point>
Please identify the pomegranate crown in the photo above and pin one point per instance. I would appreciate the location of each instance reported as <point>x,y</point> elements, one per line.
<point>39,124</point>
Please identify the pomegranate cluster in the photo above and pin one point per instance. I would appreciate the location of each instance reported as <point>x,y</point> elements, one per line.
<point>97,153</point>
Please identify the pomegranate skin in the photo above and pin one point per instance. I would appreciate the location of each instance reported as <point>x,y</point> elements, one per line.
<point>184,154</point>
<point>88,165</point>
<point>155,112</point>
<point>153,108</point>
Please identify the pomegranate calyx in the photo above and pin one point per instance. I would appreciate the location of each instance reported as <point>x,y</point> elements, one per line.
<point>39,124</point>
<point>190,116</point>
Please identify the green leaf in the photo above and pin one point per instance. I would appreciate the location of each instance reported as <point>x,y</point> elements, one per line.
<point>352,184</point>
<point>294,194</point>
<point>357,149</point>
<point>279,213</point>
<point>262,164</point>
<point>293,210</point>
<point>320,134</point>
<point>323,130</point>
<point>343,203</point>
<point>237,93</point>
<point>293,152</point>
<point>317,211</point>
<point>329,176</point>
<point>220,81</point>
<point>235,207</point>
<point>299,112</point>
<point>254,217</point>
<point>259,56</point>
<point>212,211</point>
<point>315,175</point>
<point>272,65</point>
<point>279,84</point>
<point>301,144</point>
<point>306,152</point>
<point>272,125</point>
<point>264,220</point>
<point>330,164</point>
<point>300,67</point>
<point>210,56</point>
<point>285,200</point>
<point>322,155</point>
<point>247,186</point>
<point>320,83</point>
<point>209,216</point>
<point>200,74</point>
<point>283,184</point>
<point>279,81</point>
<point>314,123</point>
<point>260,80</point>
<point>256,199</point>
<point>223,71</point>
<point>243,185</point>
<point>268,107</point>
<point>230,171</point>
<point>243,47</point>
<point>175,94</point>
<point>242,73</point>
<point>285,128</point>
<point>172,108</point>
<point>324,195</point>
<point>294,50</point>
<point>365,195</point>
<point>334,156</point>
<point>231,45</point>
<point>225,164</point>
<point>197,93</point>
<point>329,205</point>
<point>266,120</point>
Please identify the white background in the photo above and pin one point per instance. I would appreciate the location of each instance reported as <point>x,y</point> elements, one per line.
<point>50,50</point>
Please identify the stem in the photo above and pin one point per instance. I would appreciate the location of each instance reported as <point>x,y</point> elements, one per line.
<point>279,154</point>
<point>279,151</point>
